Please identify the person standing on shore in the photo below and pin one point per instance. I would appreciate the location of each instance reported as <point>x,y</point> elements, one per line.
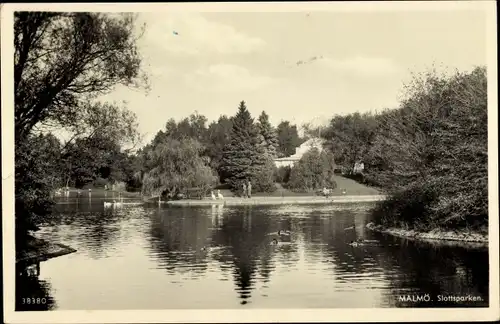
<point>249,189</point>
<point>244,190</point>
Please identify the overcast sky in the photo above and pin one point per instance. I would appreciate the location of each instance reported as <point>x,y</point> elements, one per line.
<point>210,62</point>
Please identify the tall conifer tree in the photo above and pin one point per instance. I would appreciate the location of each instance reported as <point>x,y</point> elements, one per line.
<point>269,135</point>
<point>245,158</point>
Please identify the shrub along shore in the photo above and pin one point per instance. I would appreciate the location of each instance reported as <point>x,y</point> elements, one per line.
<point>431,155</point>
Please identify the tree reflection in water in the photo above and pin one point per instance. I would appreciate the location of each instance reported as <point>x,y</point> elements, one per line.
<point>245,234</point>
<point>92,229</point>
<point>238,241</point>
<point>411,267</point>
<point>423,268</point>
<point>177,237</point>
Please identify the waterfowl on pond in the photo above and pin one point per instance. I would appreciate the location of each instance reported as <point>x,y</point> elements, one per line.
<point>360,242</point>
<point>274,241</point>
<point>213,195</point>
<point>284,233</point>
<point>219,195</point>
<point>107,204</point>
<point>211,248</point>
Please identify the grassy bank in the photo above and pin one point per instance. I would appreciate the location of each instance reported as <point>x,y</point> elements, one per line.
<point>349,186</point>
<point>461,237</point>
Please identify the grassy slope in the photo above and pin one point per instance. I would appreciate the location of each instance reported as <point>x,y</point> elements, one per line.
<point>352,188</point>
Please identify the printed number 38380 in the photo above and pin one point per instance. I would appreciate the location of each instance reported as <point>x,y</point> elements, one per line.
<point>34,301</point>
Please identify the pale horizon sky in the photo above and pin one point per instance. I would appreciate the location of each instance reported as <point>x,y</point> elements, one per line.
<point>362,60</point>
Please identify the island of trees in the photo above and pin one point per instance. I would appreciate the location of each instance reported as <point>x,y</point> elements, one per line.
<point>429,155</point>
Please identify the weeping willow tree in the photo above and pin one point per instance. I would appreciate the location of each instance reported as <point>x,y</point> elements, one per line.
<point>175,166</point>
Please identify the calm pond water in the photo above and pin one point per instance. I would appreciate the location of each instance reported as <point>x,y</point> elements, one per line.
<point>138,257</point>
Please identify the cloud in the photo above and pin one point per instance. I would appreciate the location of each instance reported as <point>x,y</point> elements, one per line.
<point>362,66</point>
<point>225,78</point>
<point>193,34</point>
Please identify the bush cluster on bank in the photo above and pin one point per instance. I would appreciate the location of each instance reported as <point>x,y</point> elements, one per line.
<point>430,154</point>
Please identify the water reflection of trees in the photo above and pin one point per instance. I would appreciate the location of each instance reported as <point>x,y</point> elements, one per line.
<point>407,266</point>
<point>423,268</point>
<point>33,294</point>
<point>90,228</point>
<point>177,238</point>
<point>326,236</point>
<point>250,252</point>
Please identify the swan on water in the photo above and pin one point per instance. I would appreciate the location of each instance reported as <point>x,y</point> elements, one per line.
<point>284,233</point>
<point>114,203</point>
<point>219,195</point>
<point>213,195</point>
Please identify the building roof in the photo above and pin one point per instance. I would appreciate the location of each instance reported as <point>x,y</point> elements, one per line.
<point>303,148</point>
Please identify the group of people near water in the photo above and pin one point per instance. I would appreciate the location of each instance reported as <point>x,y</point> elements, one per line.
<point>328,192</point>
<point>247,189</point>
<point>246,193</point>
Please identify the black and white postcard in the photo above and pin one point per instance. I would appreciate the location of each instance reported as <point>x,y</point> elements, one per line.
<point>250,162</point>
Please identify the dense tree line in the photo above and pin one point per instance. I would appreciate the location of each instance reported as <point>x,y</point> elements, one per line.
<point>430,154</point>
<point>236,149</point>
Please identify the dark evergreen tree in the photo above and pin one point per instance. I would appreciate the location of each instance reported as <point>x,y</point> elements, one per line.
<point>218,136</point>
<point>244,157</point>
<point>268,133</point>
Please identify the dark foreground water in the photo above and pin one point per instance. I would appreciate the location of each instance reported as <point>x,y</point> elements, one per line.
<point>138,257</point>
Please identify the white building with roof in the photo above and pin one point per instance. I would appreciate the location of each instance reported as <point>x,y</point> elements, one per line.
<point>299,152</point>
